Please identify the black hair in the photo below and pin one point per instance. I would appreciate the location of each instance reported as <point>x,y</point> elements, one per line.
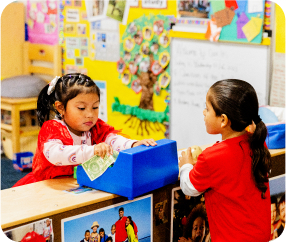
<point>238,100</point>
<point>131,221</point>
<point>121,209</point>
<point>101,230</point>
<point>198,211</point>
<point>67,87</point>
<point>282,199</point>
<point>113,226</point>
<point>87,231</point>
<point>109,238</point>
<point>273,200</point>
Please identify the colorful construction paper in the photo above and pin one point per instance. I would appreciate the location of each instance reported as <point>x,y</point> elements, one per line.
<point>242,4</point>
<point>241,21</point>
<point>224,17</point>
<point>217,5</point>
<point>252,28</point>
<point>231,4</point>
<point>213,32</point>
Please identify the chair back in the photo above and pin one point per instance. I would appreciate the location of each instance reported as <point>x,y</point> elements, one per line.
<point>42,60</point>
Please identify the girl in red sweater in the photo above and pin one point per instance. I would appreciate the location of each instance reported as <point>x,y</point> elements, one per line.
<point>233,173</point>
<point>76,134</point>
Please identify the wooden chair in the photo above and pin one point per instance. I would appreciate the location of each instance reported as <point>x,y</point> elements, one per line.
<point>44,61</point>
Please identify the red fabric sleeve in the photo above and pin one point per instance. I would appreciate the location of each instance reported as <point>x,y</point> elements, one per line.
<point>135,228</point>
<point>200,175</point>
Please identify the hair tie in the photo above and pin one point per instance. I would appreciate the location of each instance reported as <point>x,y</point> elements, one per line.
<point>257,120</point>
<point>52,85</point>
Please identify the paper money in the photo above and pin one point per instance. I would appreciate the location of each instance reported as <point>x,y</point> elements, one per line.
<point>96,166</point>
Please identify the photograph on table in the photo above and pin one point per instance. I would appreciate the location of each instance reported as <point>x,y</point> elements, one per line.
<point>160,213</point>
<point>39,231</point>
<point>277,194</point>
<point>127,221</point>
<point>96,9</point>
<point>189,220</point>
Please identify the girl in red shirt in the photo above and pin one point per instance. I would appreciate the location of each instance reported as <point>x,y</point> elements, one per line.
<point>233,173</point>
<point>76,134</point>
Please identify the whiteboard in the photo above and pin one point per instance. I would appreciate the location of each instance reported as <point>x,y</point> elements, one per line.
<point>195,66</point>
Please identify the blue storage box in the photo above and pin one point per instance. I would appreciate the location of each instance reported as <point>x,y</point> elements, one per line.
<point>274,119</point>
<point>23,161</point>
<point>137,170</point>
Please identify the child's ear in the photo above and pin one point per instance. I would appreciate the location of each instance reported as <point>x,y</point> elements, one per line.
<point>59,107</point>
<point>224,120</point>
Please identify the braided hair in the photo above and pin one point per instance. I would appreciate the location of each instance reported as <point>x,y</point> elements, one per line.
<point>66,88</point>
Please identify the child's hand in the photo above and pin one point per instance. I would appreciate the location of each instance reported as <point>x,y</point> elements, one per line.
<point>146,142</point>
<point>186,158</point>
<point>102,149</point>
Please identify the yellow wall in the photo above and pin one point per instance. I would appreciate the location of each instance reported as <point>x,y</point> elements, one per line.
<point>280,29</point>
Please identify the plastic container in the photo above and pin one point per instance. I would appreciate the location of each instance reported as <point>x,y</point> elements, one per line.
<point>23,161</point>
<point>137,170</point>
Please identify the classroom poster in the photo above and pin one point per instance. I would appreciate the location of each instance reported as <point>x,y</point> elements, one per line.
<point>277,193</point>
<point>42,20</point>
<point>103,100</point>
<point>104,40</point>
<point>185,210</point>
<point>140,210</point>
<point>144,68</point>
<point>39,231</point>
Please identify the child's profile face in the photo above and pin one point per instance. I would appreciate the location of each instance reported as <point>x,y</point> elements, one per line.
<point>48,222</point>
<point>81,112</point>
<point>101,233</point>
<point>199,229</point>
<point>273,212</point>
<point>113,229</point>
<point>127,222</point>
<point>212,122</point>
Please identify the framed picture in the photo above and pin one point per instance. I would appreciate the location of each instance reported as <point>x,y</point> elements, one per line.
<point>192,15</point>
<point>96,9</point>
<point>139,210</point>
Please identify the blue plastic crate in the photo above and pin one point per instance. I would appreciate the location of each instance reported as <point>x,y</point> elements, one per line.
<point>137,170</point>
<point>23,161</point>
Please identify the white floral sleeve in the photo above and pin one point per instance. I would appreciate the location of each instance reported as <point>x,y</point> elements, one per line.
<point>118,142</point>
<point>59,154</point>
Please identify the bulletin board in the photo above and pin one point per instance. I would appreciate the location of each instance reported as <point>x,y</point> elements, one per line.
<point>195,66</point>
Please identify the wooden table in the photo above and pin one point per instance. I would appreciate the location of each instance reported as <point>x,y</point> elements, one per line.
<point>16,106</point>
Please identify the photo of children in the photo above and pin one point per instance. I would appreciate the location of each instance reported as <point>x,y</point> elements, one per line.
<point>69,29</point>
<point>136,87</point>
<point>148,33</point>
<point>132,28</point>
<point>116,9</point>
<point>133,68</point>
<point>96,9</point>
<point>127,56</point>
<point>121,66</point>
<point>164,39</point>
<point>193,8</point>
<point>144,49</point>
<point>144,65</point>
<point>137,59</point>
<point>40,231</point>
<point>156,68</point>
<point>164,80</point>
<point>155,47</point>
<point>81,29</point>
<point>164,59</point>
<point>160,215</point>
<point>138,38</point>
<point>128,44</point>
<point>127,221</point>
<point>126,78</point>
<point>277,193</point>
<point>189,221</point>
<point>158,27</point>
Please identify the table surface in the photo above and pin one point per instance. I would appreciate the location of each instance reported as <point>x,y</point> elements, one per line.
<point>45,198</point>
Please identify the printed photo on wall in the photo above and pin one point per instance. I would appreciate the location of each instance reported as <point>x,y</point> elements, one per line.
<point>121,66</point>
<point>164,80</point>
<point>128,44</point>
<point>132,67</point>
<point>277,193</point>
<point>136,86</point>
<point>96,9</point>
<point>81,29</point>
<point>69,29</point>
<point>188,214</point>
<point>138,37</point>
<point>127,221</point>
<point>164,39</point>
<point>126,77</point>
<point>148,33</point>
<point>40,231</point>
<point>156,68</point>
<point>158,27</point>
<point>164,59</point>
<point>160,213</point>
<point>144,49</point>
<point>118,10</point>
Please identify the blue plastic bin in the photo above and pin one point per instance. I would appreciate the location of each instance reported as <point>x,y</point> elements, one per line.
<point>23,161</point>
<point>137,170</point>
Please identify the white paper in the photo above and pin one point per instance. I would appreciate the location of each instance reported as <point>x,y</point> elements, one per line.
<point>255,6</point>
<point>154,3</point>
<point>72,15</point>
<point>277,95</point>
<point>40,17</point>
